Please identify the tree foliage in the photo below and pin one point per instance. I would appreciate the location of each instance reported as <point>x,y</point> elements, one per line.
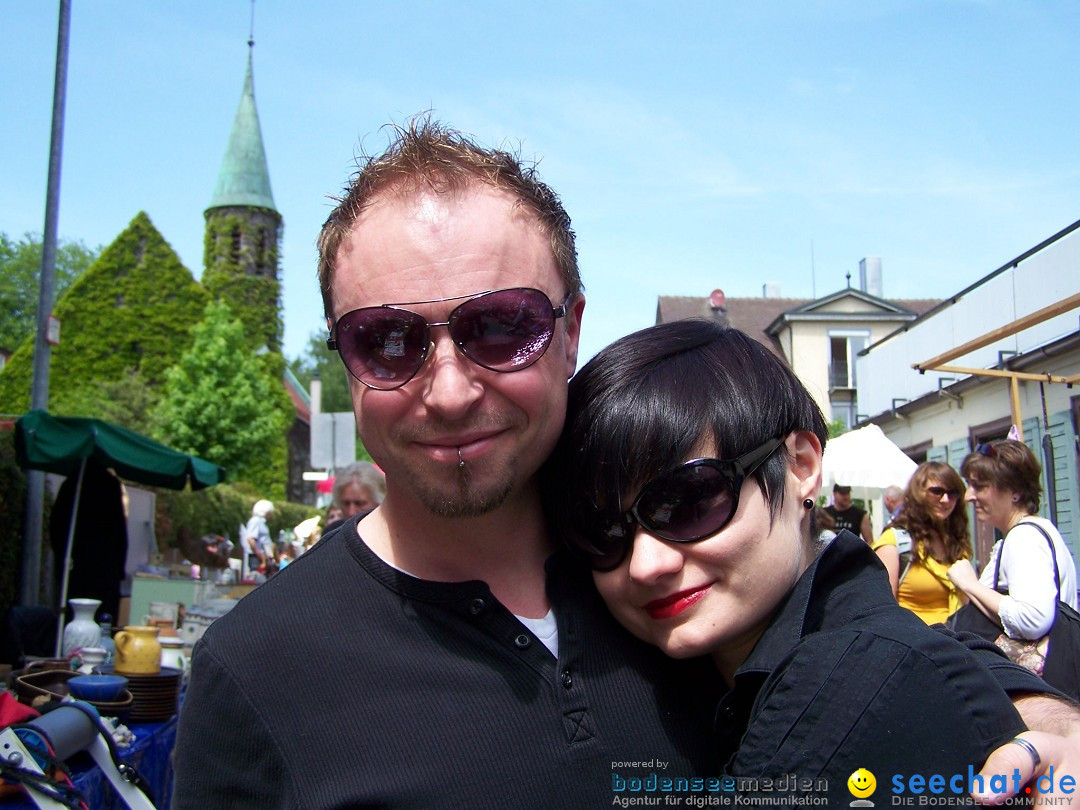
<point>20,281</point>
<point>131,312</point>
<point>317,360</point>
<point>226,404</point>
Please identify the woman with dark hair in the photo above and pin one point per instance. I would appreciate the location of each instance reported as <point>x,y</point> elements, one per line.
<point>686,475</point>
<point>936,532</point>
<point>1005,489</point>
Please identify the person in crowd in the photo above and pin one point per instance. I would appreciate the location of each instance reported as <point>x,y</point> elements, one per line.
<point>893,499</point>
<point>452,293</point>
<point>1005,491</point>
<point>335,516</point>
<point>100,543</point>
<point>825,524</point>
<point>359,487</point>
<point>687,474</point>
<point>929,536</point>
<point>257,543</point>
<point>847,515</point>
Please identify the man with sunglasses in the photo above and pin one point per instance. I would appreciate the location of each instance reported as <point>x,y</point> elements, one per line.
<point>435,652</point>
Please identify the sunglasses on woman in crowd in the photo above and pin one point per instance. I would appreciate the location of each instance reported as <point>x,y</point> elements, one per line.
<point>501,330</point>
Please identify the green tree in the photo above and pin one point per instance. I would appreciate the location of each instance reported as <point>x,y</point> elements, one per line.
<point>226,404</point>
<point>319,360</point>
<point>837,427</point>
<point>336,397</point>
<point>20,277</point>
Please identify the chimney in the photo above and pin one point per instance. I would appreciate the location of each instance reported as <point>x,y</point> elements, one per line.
<point>870,276</point>
<point>770,289</point>
<point>718,305</point>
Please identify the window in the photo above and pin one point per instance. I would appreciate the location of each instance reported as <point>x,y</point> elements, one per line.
<point>844,411</point>
<point>234,246</point>
<point>844,347</point>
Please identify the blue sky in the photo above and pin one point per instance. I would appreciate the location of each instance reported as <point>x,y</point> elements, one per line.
<point>697,145</point>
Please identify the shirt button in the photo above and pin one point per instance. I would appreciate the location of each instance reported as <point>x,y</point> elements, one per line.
<point>567,680</point>
<point>476,607</point>
<point>522,641</point>
<point>728,713</point>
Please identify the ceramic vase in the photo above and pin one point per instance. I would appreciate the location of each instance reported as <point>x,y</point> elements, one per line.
<point>138,651</point>
<point>83,630</point>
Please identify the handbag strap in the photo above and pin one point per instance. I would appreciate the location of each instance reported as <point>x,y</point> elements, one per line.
<point>1053,555</point>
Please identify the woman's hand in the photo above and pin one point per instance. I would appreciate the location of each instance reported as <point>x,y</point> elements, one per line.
<point>962,575</point>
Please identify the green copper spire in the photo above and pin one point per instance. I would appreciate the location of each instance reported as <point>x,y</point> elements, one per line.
<point>244,179</point>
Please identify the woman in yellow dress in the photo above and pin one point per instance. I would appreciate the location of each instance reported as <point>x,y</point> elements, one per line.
<point>928,536</point>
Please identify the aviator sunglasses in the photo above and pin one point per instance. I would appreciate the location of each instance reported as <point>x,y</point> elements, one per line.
<point>683,505</point>
<point>501,330</point>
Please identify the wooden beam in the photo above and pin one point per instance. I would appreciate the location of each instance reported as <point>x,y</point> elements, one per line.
<point>1019,325</point>
<point>994,372</point>
<point>1014,402</point>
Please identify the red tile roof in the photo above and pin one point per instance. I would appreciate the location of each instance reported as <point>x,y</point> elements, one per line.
<point>753,315</point>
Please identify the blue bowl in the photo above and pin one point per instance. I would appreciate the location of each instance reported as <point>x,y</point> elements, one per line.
<point>100,688</point>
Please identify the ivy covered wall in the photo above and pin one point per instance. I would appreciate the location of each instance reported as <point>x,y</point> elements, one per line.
<point>241,268</point>
<point>128,317</point>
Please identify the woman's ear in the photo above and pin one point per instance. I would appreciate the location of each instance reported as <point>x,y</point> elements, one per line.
<point>804,462</point>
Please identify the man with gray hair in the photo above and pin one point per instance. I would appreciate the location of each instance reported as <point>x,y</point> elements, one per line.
<point>893,498</point>
<point>359,487</point>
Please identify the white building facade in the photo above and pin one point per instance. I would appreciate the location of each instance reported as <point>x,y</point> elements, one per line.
<point>941,415</point>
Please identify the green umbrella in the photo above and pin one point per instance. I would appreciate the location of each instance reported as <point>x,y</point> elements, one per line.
<point>58,444</point>
<point>62,445</point>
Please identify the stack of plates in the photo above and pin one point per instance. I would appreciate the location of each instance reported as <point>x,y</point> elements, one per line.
<point>156,696</point>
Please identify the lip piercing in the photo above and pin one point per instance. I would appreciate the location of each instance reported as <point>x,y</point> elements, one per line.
<point>460,460</point>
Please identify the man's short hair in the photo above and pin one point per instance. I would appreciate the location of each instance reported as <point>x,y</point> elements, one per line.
<point>427,154</point>
<point>840,488</point>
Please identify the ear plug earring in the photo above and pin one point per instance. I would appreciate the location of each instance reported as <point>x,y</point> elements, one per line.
<point>808,503</point>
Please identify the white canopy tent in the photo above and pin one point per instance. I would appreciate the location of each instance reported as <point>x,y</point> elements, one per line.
<point>867,461</point>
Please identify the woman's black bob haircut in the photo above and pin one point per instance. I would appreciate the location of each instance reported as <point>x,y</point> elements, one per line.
<point>661,396</point>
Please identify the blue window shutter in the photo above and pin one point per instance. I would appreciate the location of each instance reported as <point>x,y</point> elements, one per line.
<point>957,452</point>
<point>1065,473</point>
<point>940,453</point>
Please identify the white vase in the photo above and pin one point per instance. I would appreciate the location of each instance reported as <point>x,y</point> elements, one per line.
<point>83,630</point>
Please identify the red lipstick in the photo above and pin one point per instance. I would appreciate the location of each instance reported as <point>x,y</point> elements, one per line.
<point>675,604</point>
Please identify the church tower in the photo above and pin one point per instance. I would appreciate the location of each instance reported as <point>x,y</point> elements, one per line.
<point>243,229</point>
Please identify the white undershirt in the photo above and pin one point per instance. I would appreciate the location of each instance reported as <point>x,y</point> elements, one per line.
<point>545,628</point>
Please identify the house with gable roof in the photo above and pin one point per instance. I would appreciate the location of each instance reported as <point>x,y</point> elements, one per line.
<point>818,338</point>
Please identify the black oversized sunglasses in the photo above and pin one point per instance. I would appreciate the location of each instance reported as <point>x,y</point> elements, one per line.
<point>502,330</point>
<point>685,504</point>
<point>939,492</point>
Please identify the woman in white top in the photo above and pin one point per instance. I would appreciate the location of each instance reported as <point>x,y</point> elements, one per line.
<point>1003,479</point>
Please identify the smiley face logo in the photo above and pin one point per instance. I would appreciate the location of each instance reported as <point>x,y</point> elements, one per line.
<point>861,783</point>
